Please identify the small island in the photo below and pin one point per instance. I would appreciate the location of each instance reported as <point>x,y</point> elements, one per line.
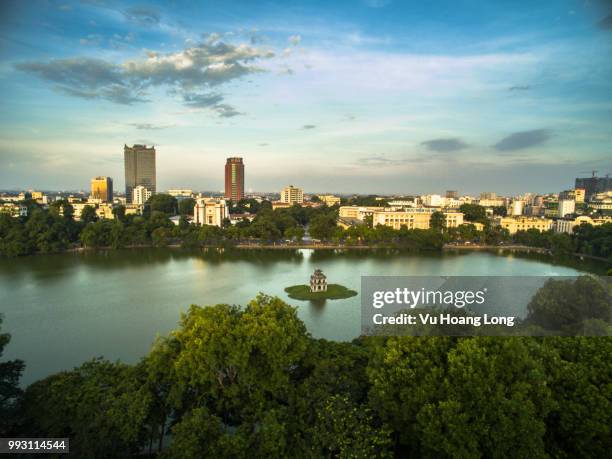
<point>319,289</point>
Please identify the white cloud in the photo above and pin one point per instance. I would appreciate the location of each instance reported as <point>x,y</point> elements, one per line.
<point>192,72</point>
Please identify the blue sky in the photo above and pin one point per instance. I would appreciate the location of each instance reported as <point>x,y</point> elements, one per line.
<point>343,96</point>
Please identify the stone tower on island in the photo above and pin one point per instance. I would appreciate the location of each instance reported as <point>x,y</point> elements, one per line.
<point>318,281</point>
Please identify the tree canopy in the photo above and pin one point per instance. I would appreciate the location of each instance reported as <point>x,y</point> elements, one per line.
<point>250,381</point>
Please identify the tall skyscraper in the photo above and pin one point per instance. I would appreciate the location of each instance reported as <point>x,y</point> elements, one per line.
<point>139,169</point>
<point>102,188</point>
<point>234,179</point>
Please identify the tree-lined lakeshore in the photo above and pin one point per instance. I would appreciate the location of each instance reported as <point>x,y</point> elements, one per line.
<point>55,230</point>
<point>250,381</point>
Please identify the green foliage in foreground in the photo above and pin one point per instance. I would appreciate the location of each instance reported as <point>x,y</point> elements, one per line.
<point>252,383</point>
<point>10,393</point>
<point>334,292</point>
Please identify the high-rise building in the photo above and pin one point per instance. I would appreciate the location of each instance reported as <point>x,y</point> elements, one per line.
<point>452,194</point>
<point>518,207</point>
<point>102,189</point>
<point>234,179</point>
<point>566,207</point>
<point>292,195</point>
<point>488,196</point>
<point>593,185</point>
<point>140,195</point>
<point>139,169</point>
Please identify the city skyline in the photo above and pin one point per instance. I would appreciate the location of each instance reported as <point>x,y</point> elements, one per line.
<point>360,97</point>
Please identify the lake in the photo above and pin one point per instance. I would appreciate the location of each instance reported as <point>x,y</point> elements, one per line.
<point>63,309</point>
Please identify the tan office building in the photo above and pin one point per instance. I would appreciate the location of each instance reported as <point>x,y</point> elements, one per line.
<point>514,224</point>
<point>414,219</point>
<point>102,189</point>
<point>139,163</point>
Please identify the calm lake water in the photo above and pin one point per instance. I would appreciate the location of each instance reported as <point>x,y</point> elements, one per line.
<point>64,309</point>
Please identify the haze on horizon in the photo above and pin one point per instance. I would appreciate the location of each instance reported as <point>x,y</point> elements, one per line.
<point>369,96</point>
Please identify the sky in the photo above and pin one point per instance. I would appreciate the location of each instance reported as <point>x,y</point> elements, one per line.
<point>361,96</point>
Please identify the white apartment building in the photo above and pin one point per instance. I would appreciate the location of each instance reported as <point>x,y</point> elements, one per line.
<point>292,195</point>
<point>566,207</point>
<point>518,207</point>
<point>140,195</point>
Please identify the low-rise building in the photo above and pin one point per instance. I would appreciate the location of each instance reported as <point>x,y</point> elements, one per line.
<point>551,212</point>
<point>567,225</point>
<point>358,212</point>
<point>403,203</point>
<point>13,209</point>
<point>134,209</point>
<point>601,201</point>
<point>181,193</point>
<point>514,224</point>
<point>329,199</point>
<point>10,198</point>
<point>40,197</point>
<point>77,209</point>
<point>210,211</point>
<point>477,225</point>
<point>237,218</point>
<point>345,222</point>
<point>105,211</point>
<point>280,205</point>
<point>497,202</point>
<point>418,218</point>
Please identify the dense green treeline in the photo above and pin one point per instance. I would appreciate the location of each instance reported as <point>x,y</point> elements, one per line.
<point>55,230</point>
<point>251,382</point>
